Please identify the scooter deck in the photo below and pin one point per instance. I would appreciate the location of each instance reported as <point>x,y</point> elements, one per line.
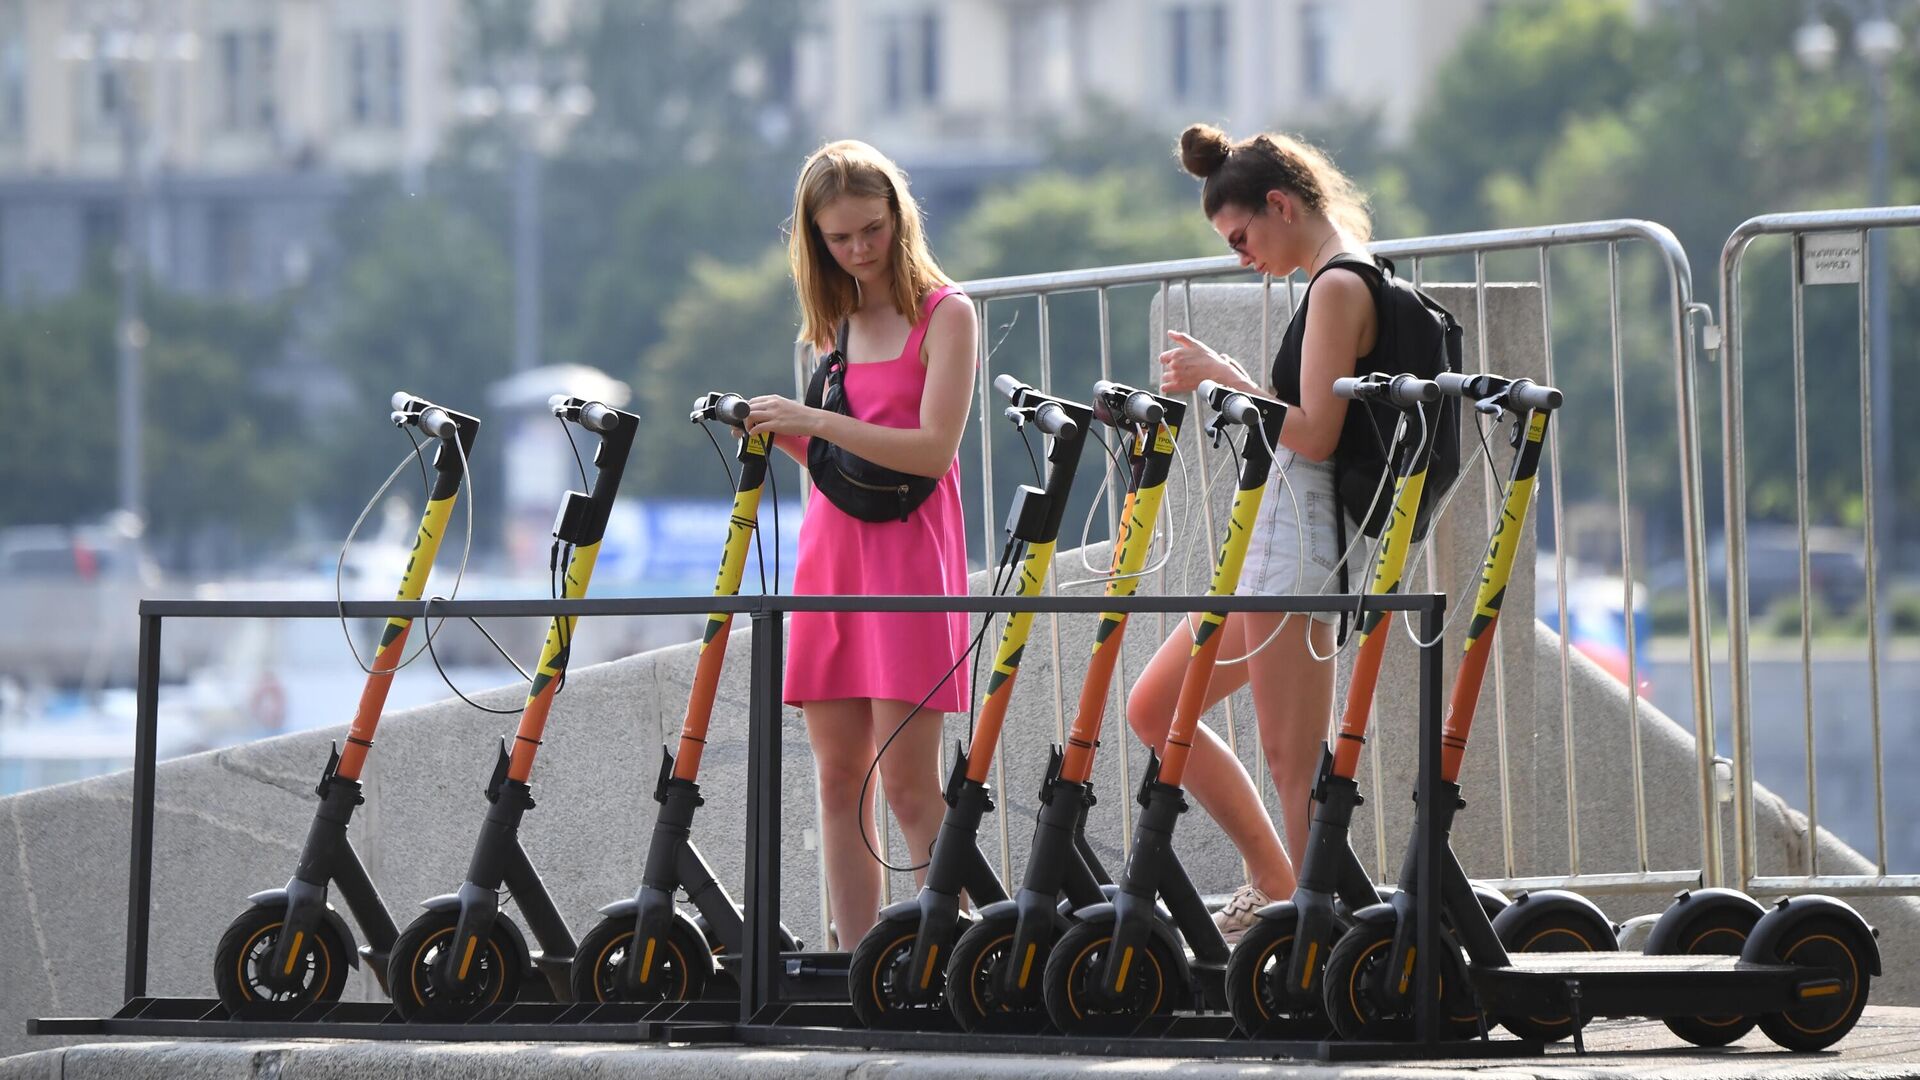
<point>1630,984</point>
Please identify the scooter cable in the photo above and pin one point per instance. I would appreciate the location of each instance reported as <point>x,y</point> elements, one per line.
<point>1486,453</point>
<point>1001,580</point>
<point>732,484</point>
<point>1110,575</point>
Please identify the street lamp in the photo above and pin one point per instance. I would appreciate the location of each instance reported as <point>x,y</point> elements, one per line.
<point>1877,41</point>
<point>539,113</point>
<point>131,50</point>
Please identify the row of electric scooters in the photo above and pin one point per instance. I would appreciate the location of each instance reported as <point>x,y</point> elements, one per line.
<point>1072,949</point>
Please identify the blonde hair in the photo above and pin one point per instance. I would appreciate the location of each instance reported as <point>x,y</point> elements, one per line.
<point>828,294</point>
<point>1241,173</point>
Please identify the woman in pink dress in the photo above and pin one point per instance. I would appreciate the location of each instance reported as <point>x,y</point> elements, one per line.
<point>859,258</point>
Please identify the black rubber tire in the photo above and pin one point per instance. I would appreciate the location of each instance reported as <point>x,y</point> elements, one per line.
<point>1353,1011</point>
<point>1528,929</point>
<point>877,974</point>
<point>1828,943</point>
<point>409,973</point>
<point>974,997</point>
<point>1719,931</point>
<point>682,963</point>
<point>249,942</point>
<point>1256,971</point>
<point>1152,983</point>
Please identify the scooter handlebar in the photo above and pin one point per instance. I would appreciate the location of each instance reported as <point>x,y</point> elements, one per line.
<point>1008,387</point>
<point>1053,420</point>
<point>423,414</point>
<point>1531,396</point>
<point>1232,405</point>
<point>731,409</point>
<point>1136,405</point>
<point>1401,391</point>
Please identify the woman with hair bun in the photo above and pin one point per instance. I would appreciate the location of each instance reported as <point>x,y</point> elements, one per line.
<point>1282,206</point>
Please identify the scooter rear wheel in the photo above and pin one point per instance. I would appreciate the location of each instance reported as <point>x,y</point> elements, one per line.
<point>1719,931</point>
<point>1257,994</point>
<point>494,973</point>
<point>1077,1003</point>
<point>1537,924</point>
<point>680,967</point>
<point>1826,1019</point>
<point>240,964</point>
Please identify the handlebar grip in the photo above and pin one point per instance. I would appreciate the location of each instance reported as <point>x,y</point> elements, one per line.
<point>435,422</point>
<point>731,409</point>
<point>401,401</point>
<point>1007,386</point>
<point>1136,405</point>
<point>1406,391</point>
<point>1453,383</point>
<point>1233,406</point>
<point>1348,388</point>
<point>598,418</point>
<point>1531,396</point>
<point>1054,420</point>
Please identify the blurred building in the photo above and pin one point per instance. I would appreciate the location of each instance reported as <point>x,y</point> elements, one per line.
<point>969,85</point>
<point>248,116</point>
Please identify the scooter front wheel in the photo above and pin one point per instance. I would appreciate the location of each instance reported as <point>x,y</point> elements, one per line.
<point>316,971</point>
<point>976,995</point>
<point>1263,1006</point>
<point>1356,994</point>
<point>884,992</point>
<point>1077,999</point>
<point>677,968</point>
<point>493,969</point>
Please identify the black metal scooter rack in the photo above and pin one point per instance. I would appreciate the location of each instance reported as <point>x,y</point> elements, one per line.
<point>768,1012</point>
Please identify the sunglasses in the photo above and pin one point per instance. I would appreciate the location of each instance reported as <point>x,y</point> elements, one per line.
<point>1237,239</point>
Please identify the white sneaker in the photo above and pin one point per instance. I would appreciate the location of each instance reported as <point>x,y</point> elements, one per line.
<point>1239,915</point>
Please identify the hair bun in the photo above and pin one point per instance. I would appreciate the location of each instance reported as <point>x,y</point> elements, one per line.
<point>1203,149</point>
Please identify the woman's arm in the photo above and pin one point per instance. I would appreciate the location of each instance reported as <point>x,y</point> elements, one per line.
<point>1339,323</point>
<point>927,450</point>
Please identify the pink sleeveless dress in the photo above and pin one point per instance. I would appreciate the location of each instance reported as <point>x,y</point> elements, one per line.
<point>894,655</point>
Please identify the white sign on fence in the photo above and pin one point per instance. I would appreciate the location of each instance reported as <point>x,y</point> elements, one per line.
<point>1832,259</point>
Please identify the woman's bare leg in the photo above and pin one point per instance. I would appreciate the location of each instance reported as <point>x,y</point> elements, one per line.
<point>1293,698</point>
<point>910,772</point>
<point>841,732</point>
<point>1215,777</point>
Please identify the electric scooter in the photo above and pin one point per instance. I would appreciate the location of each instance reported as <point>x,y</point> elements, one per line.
<point>896,976</point>
<point>1803,970</point>
<point>1122,961</point>
<point>462,955</point>
<point>644,949</point>
<point>985,988</point>
<point>290,949</point>
<point>1273,977</point>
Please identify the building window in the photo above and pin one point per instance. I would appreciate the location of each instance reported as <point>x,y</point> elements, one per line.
<point>1042,65</point>
<point>1197,56</point>
<point>375,77</point>
<point>244,67</point>
<point>910,61</point>
<point>229,248</point>
<point>1316,47</point>
<point>13,70</point>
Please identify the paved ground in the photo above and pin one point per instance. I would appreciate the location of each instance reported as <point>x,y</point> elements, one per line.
<point>1885,1046</point>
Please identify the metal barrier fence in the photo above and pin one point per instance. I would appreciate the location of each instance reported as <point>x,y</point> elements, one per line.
<point>1841,238</point>
<point>1607,237</point>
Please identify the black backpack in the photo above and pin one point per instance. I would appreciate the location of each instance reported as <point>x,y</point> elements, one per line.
<point>1416,336</point>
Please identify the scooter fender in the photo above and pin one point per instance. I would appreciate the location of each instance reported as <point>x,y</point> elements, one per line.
<point>1569,908</point>
<point>1691,904</point>
<point>451,902</point>
<point>278,898</point>
<point>1783,917</point>
<point>900,909</point>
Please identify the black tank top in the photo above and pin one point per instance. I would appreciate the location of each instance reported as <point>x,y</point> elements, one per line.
<point>1284,378</point>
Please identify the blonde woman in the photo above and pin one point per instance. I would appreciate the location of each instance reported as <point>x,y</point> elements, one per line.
<point>863,274</point>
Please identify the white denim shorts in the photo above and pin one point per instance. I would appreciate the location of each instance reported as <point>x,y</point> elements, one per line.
<point>1295,550</point>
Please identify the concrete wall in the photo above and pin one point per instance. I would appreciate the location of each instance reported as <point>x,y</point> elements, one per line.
<point>229,822</point>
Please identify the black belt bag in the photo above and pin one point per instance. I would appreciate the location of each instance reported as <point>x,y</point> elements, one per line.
<point>857,486</point>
